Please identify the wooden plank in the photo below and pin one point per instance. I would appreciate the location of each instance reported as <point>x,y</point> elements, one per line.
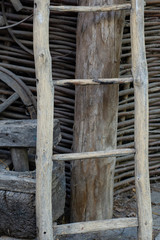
<point>22,133</point>
<point>90,155</point>
<point>100,81</point>
<point>105,8</point>
<point>140,74</point>
<point>95,226</point>
<point>14,182</point>
<point>45,109</point>
<point>17,5</point>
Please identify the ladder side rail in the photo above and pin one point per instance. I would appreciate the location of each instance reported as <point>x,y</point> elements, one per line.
<point>140,75</point>
<point>45,109</point>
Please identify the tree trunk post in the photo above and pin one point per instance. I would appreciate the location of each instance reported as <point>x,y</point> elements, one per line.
<point>96,107</point>
<point>140,74</point>
<point>45,109</point>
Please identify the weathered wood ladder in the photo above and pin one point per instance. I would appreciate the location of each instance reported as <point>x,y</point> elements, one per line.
<point>45,95</point>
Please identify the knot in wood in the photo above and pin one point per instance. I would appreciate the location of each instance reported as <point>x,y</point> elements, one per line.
<point>42,54</point>
<point>138,82</point>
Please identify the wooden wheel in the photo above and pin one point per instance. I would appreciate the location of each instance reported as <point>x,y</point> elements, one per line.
<point>21,91</point>
<point>19,155</point>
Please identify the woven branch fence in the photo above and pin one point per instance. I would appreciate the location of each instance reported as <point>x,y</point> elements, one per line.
<point>16,56</point>
<point>124,176</point>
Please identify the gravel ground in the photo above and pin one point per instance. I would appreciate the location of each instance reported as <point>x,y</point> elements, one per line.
<point>125,206</point>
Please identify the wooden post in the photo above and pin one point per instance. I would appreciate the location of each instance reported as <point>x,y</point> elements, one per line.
<point>20,159</point>
<point>98,56</point>
<point>45,120</point>
<point>140,74</point>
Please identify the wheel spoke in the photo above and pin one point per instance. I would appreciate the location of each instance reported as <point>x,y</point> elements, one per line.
<point>8,102</point>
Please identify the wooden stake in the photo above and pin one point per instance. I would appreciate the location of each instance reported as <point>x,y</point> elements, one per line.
<point>17,5</point>
<point>140,74</point>
<point>45,120</point>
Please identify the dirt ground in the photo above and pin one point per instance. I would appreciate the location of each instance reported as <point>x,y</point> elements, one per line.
<point>125,206</point>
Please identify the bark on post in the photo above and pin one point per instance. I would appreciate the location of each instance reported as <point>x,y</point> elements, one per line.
<point>140,74</point>
<point>44,121</point>
<point>98,55</point>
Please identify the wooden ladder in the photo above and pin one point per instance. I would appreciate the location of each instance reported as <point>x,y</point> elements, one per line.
<point>45,99</point>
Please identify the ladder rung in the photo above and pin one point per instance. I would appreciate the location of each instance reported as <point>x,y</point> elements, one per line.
<point>106,8</point>
<point>90,155</point>
<point>67,82</point>
<point>95,226</point>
